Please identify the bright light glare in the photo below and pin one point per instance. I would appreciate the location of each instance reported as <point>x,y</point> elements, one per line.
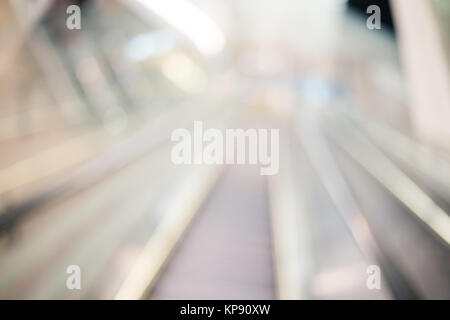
<point>189,20</point>
<point>150,45</point>
<point>184,73</point>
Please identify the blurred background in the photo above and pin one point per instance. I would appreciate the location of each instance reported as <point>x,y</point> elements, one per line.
<point>86,177</point>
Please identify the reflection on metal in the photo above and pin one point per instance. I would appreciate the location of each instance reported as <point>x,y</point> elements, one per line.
<point>317,149</point>
<point>54,159</point>
<point>415,155</point>
<point>291,232</point>
<point>396,181</point>
<point>178,213</point>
